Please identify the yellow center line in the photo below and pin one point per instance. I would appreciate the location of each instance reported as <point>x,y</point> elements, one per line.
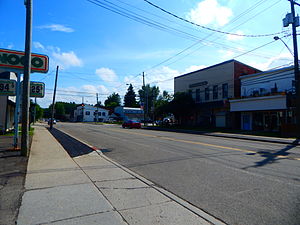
<point>198,143</point>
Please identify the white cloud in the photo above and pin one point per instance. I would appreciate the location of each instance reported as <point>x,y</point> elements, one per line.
<point>38,45</point>
<point>226,54</point>
<point>106,74</point>
<point>90,88</point>
<point>67,59</point>
<point>276,61</point>
<point>10,46</point>
<point>163,78</point>
<point>57,27</point>
<point>210,12</point>
<point>235,37</point>
<point>194,68</point>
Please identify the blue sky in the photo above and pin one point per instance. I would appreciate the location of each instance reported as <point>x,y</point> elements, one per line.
<point>100,51</point>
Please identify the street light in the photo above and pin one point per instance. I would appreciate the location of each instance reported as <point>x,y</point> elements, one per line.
<point>278,38</point>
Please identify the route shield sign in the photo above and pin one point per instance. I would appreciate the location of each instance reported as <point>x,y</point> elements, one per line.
<point>15,60</point>
<point>37,89</point>
<point>8,87</point>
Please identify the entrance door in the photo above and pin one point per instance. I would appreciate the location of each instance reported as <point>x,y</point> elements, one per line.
<point>246,122</point>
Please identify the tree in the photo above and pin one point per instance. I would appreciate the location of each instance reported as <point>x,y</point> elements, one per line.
<point>63,110</point>
<point>162,105</point>
<point>113,101</point>
<point>148,95</point>
<point>129,98</point>
<point>182,106</point>
<point>35,109</point>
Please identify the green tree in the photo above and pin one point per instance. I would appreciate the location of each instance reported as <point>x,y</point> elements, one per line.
<point>182,106</point>
<point>129,98</point>
<point>113,101</point>
<point>37,110</point>
<point>162,105</point>
<point>148,95</point>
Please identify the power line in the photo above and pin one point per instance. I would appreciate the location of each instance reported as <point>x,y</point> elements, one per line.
<point>208,28</point>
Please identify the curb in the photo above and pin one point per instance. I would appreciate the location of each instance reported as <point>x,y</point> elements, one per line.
<point>234,136</point>
<point>199,212</point>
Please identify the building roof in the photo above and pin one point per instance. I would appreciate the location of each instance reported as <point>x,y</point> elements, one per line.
<point>219,64</point>
<point>131,108</point>
<point>268,72</point>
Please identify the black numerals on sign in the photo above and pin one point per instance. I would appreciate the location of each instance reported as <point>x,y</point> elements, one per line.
<point>4,87</point>
<point>36,89</point>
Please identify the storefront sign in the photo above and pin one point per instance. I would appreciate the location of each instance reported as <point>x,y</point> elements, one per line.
<point>15,60</point>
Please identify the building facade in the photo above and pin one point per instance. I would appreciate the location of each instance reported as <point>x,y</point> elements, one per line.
<point>211,88</point>
<point>129,113</point>
<point>267,100</point>
<point>89,113</point>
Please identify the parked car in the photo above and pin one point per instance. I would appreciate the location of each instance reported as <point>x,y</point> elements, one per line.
<point>131,124</point>
<point>49,121</point>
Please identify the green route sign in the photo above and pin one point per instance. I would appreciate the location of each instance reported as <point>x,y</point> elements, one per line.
<point>8,87</point>
<point>37,89</point>
<point>15,60</point>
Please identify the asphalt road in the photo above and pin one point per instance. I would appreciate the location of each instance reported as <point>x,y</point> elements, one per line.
<point>237,181</point>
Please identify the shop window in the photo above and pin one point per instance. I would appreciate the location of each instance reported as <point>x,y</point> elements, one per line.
<point>225,90</point>
<point>197,95</point>
<point>215,92</point>
<point>207,93</point>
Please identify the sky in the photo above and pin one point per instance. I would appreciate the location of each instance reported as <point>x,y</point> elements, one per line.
<point>101,46</point>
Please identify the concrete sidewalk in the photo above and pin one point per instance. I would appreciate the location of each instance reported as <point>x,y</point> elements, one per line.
<point>92,189</point>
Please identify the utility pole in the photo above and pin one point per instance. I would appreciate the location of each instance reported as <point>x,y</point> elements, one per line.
<point>295,22</point>
<point>153,107</point>
<point>144,98</point>
<point>97,112</point>
<point>296,64</point>
<point>34,113</point>
<point>26,81</point>
<point>53,101</point>
<point>82,108</point>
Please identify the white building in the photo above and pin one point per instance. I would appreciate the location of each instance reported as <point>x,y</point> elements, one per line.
<point>266,101</point>
<point>89,113</point>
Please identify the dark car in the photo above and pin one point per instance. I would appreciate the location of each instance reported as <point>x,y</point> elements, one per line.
<point>49,121</point>
<point>131,124</point>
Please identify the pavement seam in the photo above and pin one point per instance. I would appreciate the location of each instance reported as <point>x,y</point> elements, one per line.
<point>62,185</point>
<point>204,215</point>
<point>145,206</point>
<point>90,214</point>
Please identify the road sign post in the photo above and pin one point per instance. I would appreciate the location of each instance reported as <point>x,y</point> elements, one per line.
<point>17,110</point>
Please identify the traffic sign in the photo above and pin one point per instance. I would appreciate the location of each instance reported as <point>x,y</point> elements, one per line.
<point>12,59</point>
<point>7,87</point>
<point>37,89</point>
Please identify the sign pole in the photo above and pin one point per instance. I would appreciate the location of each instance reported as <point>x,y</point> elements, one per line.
<point>17,110</point>
<point>26,79</point>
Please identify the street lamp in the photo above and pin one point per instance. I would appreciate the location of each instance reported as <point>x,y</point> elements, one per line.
<point>278,38</point>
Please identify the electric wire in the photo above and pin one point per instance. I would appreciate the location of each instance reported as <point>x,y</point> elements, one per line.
<point>211,29</point>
